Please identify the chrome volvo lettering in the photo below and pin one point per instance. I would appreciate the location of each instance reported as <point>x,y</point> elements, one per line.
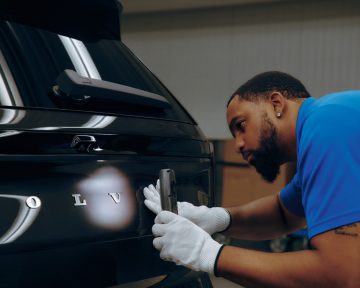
<point>33,202</point>
<point>78,201</point>
<point>116,197</point>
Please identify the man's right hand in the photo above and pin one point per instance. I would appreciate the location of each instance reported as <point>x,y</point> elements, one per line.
<point>211,220</point>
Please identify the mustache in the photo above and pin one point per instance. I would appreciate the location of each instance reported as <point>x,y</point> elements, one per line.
<point>246,153</point>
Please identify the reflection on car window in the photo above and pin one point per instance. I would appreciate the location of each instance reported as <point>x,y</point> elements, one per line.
<point>36,58</point>
<point>9,95</point>
<point>80,57</point>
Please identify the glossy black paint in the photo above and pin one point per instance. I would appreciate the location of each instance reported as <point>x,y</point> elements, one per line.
<point>38,161</point>
<point>44,131</point>
<point>61,223</point>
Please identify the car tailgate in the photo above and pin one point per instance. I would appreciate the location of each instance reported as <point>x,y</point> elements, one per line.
<point>70,204</point>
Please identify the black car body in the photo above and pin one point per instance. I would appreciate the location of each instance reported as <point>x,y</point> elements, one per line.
<point>73,166</point>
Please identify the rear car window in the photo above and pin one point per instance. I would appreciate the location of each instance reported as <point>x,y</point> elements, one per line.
<point>35,58</point>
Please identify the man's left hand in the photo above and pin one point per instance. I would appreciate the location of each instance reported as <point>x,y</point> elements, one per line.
<point>181,241</point>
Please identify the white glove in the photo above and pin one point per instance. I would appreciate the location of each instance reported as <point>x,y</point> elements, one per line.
<point>212,220</point>
<point>184,243</point>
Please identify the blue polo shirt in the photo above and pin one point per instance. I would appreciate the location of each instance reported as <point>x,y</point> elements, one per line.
<point>326,187</point>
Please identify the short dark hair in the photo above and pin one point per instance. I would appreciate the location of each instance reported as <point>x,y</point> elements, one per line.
<point>258,87</point>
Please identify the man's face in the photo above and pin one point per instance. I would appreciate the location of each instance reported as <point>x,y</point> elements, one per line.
<point>255,136</point>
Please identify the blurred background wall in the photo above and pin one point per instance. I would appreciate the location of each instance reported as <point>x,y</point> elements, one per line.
<point>203,50</point>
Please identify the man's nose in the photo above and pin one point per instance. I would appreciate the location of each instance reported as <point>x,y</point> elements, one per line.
<point>239,144</point>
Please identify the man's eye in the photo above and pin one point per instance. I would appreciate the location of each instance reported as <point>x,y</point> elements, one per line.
<point>240,126</point>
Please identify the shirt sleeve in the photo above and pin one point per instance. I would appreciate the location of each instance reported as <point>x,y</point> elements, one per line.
<point>291,198</point>
<point>329,168</point>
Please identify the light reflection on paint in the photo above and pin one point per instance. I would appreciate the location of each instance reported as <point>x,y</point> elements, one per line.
<point>9,133</point>
<point>98,122</point>
<point>25,217</point>
<point>101,209</point>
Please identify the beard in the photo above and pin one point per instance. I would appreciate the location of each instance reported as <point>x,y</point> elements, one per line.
<point>266,159</point>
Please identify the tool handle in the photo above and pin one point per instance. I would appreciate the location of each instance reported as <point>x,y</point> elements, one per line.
<point>168,192</point>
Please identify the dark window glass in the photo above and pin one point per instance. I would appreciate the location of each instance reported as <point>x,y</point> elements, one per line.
<point>36,58</point>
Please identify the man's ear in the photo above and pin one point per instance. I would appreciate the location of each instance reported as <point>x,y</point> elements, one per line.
<point>278,101</point>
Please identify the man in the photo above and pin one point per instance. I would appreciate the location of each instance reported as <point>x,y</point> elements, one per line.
<point>274,120</point>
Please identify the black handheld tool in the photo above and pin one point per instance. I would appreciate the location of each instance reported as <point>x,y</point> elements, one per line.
<point>168,193</point>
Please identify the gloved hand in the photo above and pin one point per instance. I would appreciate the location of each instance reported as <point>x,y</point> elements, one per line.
<point>211,220</point>
<point>184,243</point>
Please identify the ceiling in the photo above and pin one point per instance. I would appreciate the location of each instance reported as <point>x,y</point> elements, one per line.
<point>145,6</point>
